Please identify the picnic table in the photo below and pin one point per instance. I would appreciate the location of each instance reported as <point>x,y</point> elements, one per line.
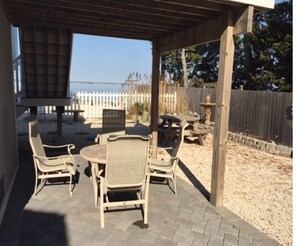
<point>60,110</point>
<point>170,119</point>
<point>74,111</point>
<point>168,128</point>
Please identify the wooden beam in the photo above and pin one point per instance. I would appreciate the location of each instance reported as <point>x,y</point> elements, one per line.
<point>222,115</point>
<point>60,111</point>
<point>85,29</point>
<point>243,22</point>
<point>95,21</point>
<point>259,3</point>
<point>58,68</point>
<point>70,47</point>
<point>194,35</point>
<point>209,31</point>
<point>155,92</point>
<point>126,11</point>
<point>200,4</point>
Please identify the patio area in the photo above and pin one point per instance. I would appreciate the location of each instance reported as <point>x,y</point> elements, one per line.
<point>53,217</point>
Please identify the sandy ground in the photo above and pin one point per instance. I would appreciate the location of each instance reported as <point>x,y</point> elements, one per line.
<point>258,185</point>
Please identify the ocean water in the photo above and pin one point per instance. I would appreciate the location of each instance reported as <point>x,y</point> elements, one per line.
<point>96,87</point>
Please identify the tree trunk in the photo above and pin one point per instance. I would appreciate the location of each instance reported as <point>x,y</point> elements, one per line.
<point>248,60</point>
<point>163,68</point>
<point>185,70</point>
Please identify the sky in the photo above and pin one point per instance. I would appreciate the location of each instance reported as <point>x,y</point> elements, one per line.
<point>104,59</point>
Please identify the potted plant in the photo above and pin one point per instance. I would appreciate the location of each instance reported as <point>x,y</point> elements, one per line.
<point>135,111</point>
<point>145,113</point>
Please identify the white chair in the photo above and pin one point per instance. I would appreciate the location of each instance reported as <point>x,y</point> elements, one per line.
<point>113,123</point>
<point>126,170</point>
<point>50,167</point>
<point>164,166</point>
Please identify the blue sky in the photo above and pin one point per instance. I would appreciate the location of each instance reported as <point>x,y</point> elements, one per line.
<point>103,59</point>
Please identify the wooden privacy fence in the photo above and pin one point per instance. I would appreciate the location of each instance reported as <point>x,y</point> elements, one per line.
<point>93,103</point>
<point>259,114</point>
<point>267,115</point>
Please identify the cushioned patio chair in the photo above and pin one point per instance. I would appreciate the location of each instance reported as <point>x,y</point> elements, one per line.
<point>125,171</point>
<point>50,167</point>
<point>164,165</point>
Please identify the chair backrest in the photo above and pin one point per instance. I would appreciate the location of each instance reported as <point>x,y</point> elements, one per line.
<point>180,138</point>
<point>127,158</point>
<point>104,136</point>
<point>35,140</point>
<point>113,120</point>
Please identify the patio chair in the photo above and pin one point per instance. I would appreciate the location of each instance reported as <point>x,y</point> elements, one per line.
<point>113,122</point>
<point>125,171</point>
<point>164,166</point>
<point>50,167</point>
<point>102,138</point>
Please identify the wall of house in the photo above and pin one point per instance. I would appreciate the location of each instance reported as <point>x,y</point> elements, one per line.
<point>8,138</point>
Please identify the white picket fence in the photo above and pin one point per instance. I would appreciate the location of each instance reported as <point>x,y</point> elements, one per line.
<point>94,103</point>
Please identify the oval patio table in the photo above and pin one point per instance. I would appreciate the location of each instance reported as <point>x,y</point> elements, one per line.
<point>96,156</point>
<point>95,153</point>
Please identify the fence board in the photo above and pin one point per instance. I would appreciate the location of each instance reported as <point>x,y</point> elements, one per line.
<point>94,103</point>
<point>264,115</point>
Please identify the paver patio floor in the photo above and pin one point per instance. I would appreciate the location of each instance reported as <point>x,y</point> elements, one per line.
<point>53,217</point>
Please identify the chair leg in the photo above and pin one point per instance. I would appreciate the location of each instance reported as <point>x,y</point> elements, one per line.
<point>36,178</point>
<point>101,205</point>
<point>96,196</point>
<point>70,182</point>
<point>35,188</point>
<point>174,182</point>
<point>146,198</point>
<point>90,169</point>
<point>95,184</point>
<point>42,184</point>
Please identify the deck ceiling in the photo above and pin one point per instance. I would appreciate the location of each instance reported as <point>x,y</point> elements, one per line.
<point>134,19</point>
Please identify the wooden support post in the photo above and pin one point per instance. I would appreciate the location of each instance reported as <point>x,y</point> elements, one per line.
<point>60,111</point>
<point>33,110</point>
<point>222,115</point>
<point>155,92</point>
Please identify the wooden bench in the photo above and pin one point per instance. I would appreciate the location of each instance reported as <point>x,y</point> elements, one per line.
<point>200,133</point>
<point>74,111</point>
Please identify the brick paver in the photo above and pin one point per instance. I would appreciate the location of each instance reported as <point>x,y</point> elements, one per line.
<point>53,216</point>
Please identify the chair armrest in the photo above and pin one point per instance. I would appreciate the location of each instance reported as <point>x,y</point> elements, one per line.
<point>53,157</point>
<point>162,165</point>
<point>151,159</point>
<point>68,146</point>
<point>59,146</point>
<point>46,161</point>
<point>97,138</point>
<point>158,150</point>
